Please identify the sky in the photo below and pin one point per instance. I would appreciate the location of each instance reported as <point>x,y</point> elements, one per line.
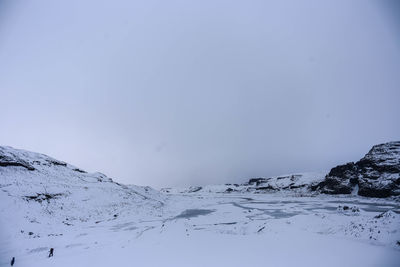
<point>179,93</point>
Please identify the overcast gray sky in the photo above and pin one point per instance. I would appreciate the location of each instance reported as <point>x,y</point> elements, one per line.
<point>168,93</point>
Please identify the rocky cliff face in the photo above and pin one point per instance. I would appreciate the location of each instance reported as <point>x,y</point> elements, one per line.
<point>375,175</point>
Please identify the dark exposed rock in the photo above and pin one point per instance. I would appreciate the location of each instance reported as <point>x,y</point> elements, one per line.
<point>353,209</point>
<point>194,189</point>
<point>262,228</point>
<point>334,186</point>
<point>11,163</point>
<point>293,186</point>
<point>376,175</point>
<point>11,160</point>
<point>389,214</point>
<point>43,197</point>
<point>268,187</point>
<point>298,186</point>
<point>257,180</point>
<point>57,162</point>
<point>370,190</point>
<point>292,177</point>
<point>79,170</point>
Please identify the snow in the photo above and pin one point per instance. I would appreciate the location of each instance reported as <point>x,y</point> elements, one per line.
<point>90,220</point>
<point>289,183</point>
<point>385,154</point>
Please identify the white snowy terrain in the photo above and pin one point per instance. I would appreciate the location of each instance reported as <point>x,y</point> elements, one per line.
<point>295,183</point>
<point>90,220</point>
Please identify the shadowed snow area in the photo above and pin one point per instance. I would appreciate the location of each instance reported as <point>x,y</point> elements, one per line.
<point>90,220</point>
<point>190,213</point>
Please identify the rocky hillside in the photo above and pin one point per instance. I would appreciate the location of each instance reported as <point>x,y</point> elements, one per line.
<point>375,175</point>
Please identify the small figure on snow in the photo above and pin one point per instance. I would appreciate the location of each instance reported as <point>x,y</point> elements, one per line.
<point>51,252</point>
<point>12,261</point>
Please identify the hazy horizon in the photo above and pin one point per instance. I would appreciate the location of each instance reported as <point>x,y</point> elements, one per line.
<point>176,93</point>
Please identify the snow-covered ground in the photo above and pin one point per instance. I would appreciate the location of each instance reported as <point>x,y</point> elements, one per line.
<point>218,230</point>
<point>90,220</point>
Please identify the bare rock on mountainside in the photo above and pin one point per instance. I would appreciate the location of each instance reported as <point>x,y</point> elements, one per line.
<point>375,175</point>
<point>8,158</point>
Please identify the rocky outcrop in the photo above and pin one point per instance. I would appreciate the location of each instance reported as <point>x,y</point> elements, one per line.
<point>375,175</point>
<point>8,158</point>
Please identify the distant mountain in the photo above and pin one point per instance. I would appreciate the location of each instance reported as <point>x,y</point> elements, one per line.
<point>296,183</point>
<point>375,175</point>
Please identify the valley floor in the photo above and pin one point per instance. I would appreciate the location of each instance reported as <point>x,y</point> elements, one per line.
<point>215,229</point>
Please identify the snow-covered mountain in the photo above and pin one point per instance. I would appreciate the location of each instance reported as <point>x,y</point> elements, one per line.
<point>298,183</point>
<point>90,220</point>
<point>39,189</point>
<point>375,175</point>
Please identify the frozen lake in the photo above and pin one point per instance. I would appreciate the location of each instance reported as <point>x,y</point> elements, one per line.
<point>214,229</point>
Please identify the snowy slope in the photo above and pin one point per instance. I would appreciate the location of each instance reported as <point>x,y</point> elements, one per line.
<point>63,191</point>
<point>41,196</point>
